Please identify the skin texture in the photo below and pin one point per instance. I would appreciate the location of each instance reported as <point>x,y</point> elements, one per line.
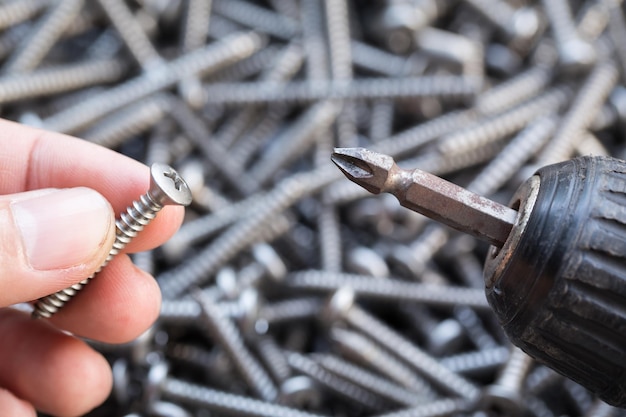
<point>42,367</point>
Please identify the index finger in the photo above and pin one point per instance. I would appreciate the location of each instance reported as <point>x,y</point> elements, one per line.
<point>32,159</point>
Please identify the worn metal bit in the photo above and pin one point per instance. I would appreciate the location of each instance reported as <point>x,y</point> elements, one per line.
<point>427,194</point>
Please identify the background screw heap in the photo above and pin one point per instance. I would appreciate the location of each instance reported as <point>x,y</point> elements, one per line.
<point>289,291</point>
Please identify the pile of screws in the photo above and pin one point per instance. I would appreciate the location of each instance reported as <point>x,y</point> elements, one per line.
<point>289,291</point>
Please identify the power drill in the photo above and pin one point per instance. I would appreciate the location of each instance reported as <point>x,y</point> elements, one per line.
<point>555,274</point>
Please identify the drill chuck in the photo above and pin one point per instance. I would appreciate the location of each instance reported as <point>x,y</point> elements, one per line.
<point>558,285</point>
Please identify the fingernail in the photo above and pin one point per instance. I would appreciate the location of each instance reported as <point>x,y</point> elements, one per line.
<point>63,228</point>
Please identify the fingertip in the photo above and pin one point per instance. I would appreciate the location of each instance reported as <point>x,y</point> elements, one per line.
<point>57,373</point>
<point>14,406</point>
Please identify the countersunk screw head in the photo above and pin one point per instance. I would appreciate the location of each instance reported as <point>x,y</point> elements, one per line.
<point>167,187</point>
<point>338,305</point>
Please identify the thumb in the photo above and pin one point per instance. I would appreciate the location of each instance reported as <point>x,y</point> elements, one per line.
<point>51,239</point>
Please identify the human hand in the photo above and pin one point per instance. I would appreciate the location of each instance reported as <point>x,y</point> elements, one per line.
<point>58,200</point>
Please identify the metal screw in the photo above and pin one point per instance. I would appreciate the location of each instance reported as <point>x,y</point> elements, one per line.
<point>14,13</point>
<point>36,45</point>
<point>505,123</point>
<point>166,188</point>
<point>504,395</point>
<point>575,53</point>
<point>131,33</point>
<point>204,60</point>
<point>519,25</point>
<point>477,363</point>
<point>389,289</point>
<point>593,92</point>
<point>420,360</point>
<point>199,396</point>
<point>225,332</point>
<point>383,387</point>
<point>451,88</point>
<point>334,383</point>
<point>360,348</point>
<point>59,79</point>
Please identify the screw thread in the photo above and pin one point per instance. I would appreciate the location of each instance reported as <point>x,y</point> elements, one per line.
<point>474,328</point>
<point>131,222</point>
<point>389,289</point>
<point>588,100</point>
<point>338,385</point>
<point>410,353</point>
<point>15,12</point>
<point>129,121</point>
<point>39,41</point>
<point>515,90</point>
<point>201,61</point>
<point>360,376</point>
<point>439,408</point>
<point>451,88</point>
<point>477,362</point>
<point>226,334</point>
<point>258,18</point>
<point>60,79</point>
<point>221,401</point>
<point>131,32</point>
<point>504,124</point>
<point>361,348</point>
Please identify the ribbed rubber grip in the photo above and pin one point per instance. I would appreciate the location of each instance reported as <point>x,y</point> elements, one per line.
<point>560,294</point>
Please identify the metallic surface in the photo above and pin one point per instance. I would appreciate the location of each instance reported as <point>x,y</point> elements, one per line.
<point>427,194</point>
<point>166,188</point>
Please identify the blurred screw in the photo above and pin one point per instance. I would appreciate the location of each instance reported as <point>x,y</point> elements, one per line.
<point>201,61</point>
<point>505,394</point>
<point>199,396</point>
<point>226,334</point>
<point>42,37</point>
<point>575,53</point>
<point>446,380</point>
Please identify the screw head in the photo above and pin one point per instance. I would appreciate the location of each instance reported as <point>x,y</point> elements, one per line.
<point>167,187</point>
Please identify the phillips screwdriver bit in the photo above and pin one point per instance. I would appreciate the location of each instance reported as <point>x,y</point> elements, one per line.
<point>428,194</point>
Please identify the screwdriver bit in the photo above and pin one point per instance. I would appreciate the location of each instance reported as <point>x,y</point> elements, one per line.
<point>428,194</point>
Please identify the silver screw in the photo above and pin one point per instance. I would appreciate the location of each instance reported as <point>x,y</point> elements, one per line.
<point>199,396</point>
<point>504,124</point>
<point>519,25</point>
<point>449,88</point>
<point>201,61</point>
<point>226,334</point>
<point>362,377</point>
<point>575,53</point>
<point>59,79</point>
<point>505,394</point>
<point>37,44</point>
<point>131,120</point>
<point>15,12</point>
<point>409,352</point>
<point>166,188</point>
<point>594,91</point>
<point>362,349</point>
<point>257,18</point>
<point>131,33</point>
<point>334,383</point>
<point>389,289</point>
<point>477,363</point>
